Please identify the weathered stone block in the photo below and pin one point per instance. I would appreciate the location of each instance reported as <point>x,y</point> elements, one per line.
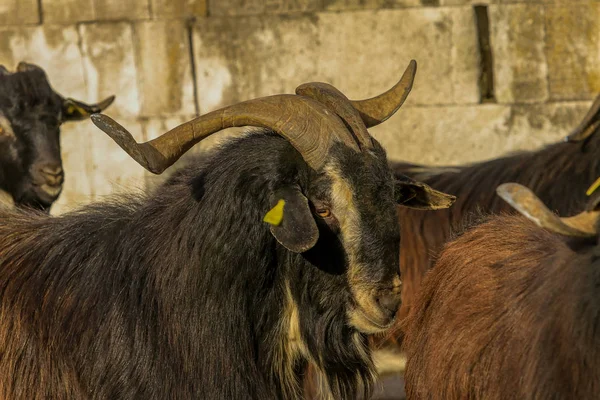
<point>68,11</point>
<point>119,9</point>
<point>109,61</point>
<point>19,12</point>
<point>243,58</point>
<point>179,8</point>
<point>76,140</point>
<point>429,135</point>
<point>573,50</point>
<point>54,48</point>
<point>467,2</point>
<point>363,53</point>
<point>164,68</point>
<point>340,5</point>
<point>249,7</point>
<point>129,177</point>
<point>517,38</point>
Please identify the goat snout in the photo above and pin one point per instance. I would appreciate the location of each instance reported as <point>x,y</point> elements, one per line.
<point>52,174</point>
<point>48,178</point>
<point>390,303</point>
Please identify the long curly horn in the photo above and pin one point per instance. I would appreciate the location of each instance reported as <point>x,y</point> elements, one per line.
<point>307,124</point>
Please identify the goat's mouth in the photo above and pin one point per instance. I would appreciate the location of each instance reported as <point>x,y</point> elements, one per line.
<point>47,192</point>
<point>370,322</point>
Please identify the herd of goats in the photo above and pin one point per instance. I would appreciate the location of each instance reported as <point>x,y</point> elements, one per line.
<point>268,268</point>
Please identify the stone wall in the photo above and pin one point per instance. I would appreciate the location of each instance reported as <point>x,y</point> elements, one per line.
<point>494,76</point>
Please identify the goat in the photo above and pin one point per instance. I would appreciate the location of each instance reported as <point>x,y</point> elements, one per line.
<point>511,309</point>
<point>566,167</point>
<point>185,293</point>
<point>31,113</point>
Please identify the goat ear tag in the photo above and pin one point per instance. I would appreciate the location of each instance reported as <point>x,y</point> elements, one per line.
<point>275,214</point>
<point>593,187</point>
<point>291,220</point>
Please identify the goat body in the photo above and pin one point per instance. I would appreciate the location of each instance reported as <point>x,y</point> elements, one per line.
<point>509,311</point>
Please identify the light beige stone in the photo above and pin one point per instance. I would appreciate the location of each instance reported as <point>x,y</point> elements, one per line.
<point>573,50</point>
<point>452,135</point>
<point>109,61</point>
<point>76,139</point>
<point>517,38</point>
<point>164,68</point>
<point>253,7</point>
<point>362,53</point>
<point>128,177</point>
<point>67,11</point>
<point>54,48</point>
<point>19,12</point>
<point>119,9</point>
<point>179,8</point>
<point>243,58</point>
<point>341,5</point>
<point>472,2</point>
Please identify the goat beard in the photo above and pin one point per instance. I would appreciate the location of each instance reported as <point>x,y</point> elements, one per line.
<point>341,357</point>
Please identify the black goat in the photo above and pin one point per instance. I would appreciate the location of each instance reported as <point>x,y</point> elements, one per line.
<point>187,293</point>
<point>511,310</point>
<point>31,113</point>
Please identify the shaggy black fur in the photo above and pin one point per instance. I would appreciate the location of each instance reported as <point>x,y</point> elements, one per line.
<point>181,294</point>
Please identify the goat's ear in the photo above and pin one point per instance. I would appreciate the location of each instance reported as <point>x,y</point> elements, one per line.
<point>414,194</point>
<point>291,220</point>
<point>74,110</point>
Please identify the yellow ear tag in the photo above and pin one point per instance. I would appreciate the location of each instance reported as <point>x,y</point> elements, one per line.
<point>593,188</point>
<point>70,109</point>
<point>275,214</point>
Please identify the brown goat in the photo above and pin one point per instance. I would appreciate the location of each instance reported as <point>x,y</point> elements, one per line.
<point>565,167</point>
<point>510,311</point>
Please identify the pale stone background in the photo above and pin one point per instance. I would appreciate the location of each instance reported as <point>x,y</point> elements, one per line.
<point>168,60</point>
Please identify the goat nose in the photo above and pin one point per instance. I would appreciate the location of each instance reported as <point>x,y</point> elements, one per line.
<point>390,302</point>
<point>52,173</point>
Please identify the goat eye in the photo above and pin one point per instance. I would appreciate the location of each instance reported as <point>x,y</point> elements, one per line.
<point>323,212</point>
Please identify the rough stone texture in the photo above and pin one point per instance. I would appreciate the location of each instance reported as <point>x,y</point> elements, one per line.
<point>109,61</point>
<point>255,56</point>
<point>573,50</point>
<point>462,134</point>
<point>517,37</point>
<point>179,8</point>
<point>164,68</point>
<point>67,11</point>
<point>339,5</point>
<point>54,48</point>
<point>119,9</point>
<point>249,7</point>
<point>129,177</point>
<point>19,12</point>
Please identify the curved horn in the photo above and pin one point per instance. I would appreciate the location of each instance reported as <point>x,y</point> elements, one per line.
<point>304,122</point>
<point>527,203</point>
<point>589,124</point>
<point>74,110</point>
<point>335,100</point>
<point>378,109</point>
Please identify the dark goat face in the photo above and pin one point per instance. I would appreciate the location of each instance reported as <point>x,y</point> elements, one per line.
<point>347,225</point>
<point>30,117</point>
